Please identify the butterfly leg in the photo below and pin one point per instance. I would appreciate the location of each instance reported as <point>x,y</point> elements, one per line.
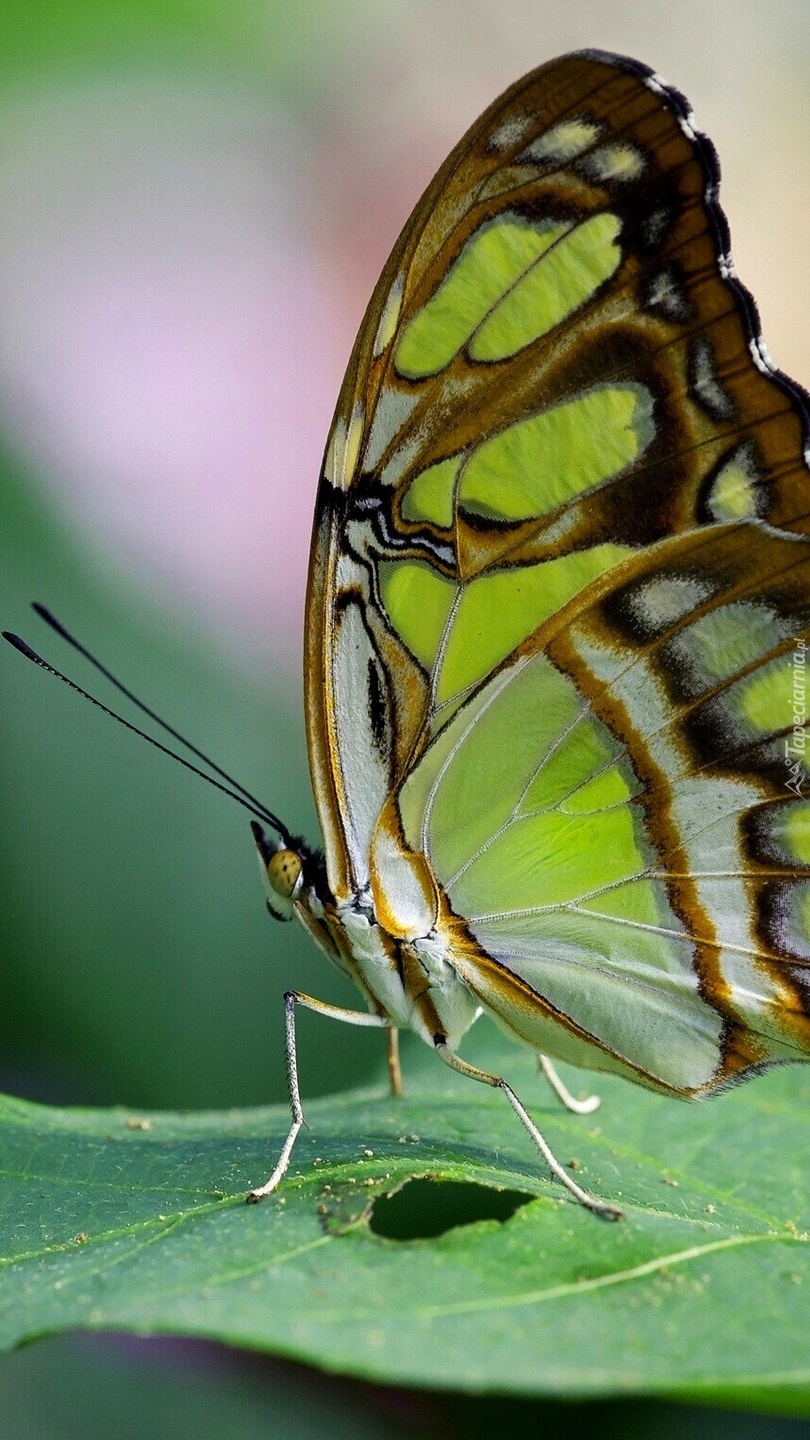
<point>577,1107</point>
<point>597,1207</point>
<point>335,1012</point>
<point>394,1068</point>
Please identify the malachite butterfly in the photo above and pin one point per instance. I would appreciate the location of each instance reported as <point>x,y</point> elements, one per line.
<point>557,615</point>
<point>557,618</point>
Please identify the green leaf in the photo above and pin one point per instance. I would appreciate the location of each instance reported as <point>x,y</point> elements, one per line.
<point>115,1221</point>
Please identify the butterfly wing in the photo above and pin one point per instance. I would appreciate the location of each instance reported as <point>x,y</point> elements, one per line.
<point>557,589</point>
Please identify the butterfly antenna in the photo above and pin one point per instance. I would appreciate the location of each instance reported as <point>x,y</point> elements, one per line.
<point>233,789</point>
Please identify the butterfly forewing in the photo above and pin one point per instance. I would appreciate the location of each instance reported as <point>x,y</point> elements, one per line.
<point>558,592</point>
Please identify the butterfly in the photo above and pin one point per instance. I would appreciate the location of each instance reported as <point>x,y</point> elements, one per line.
<point>557,618</point>
<point>557,621</point>
<point>558,615</point>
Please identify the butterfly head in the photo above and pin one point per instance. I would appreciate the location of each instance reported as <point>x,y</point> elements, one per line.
<point>283,863</point>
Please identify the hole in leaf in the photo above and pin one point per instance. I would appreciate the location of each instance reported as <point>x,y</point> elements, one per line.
<point>425,1208</point>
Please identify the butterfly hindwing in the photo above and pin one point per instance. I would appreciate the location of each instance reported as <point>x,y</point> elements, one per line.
<point>609,813</point>
<point>558,587</point>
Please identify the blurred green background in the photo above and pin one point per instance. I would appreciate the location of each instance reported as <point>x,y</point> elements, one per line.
<point>196,199</point>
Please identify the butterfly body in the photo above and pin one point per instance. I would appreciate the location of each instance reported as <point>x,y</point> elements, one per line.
<point>406,971</point>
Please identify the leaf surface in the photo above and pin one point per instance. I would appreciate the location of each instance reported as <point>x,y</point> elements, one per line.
<point>137,1222</point>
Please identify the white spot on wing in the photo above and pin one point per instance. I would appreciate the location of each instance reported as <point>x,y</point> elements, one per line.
<point>622,162</point>
<point>760,356</point>
<point>389,318</point>
<point>688,127</point>
<point>510,132</point>
<point>655,227</point>
<point>565,141</point>
<point>661,602</point>
<point>362,773</point>
<point>343,448</point>
<point>335,448</point>
<point>657,83</point>
<point>665,294</point>
<point>400,460</point>
<point>705,383</point>
<point>394,408</point>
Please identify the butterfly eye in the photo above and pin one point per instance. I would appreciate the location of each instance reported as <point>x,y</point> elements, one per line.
<point>284,873</point>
